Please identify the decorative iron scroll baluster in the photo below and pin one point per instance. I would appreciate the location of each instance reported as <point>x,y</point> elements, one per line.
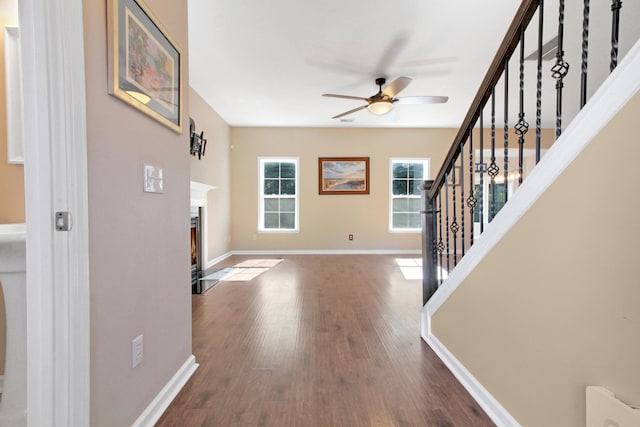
<point>559,70</point>
<point>471,200</point>
<point>585,53</point>
<point>454,224</point>
<point>482,169</point>
<point>440,245</point>
<point>446,217</point>
<point>506,130</point>
<point>615,30</point>
<point>539,80</point>
<point>493,169</point>
<point>462,197</point>
<point>522,126</point>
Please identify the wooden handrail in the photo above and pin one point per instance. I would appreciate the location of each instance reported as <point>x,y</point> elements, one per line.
<point>522,18</point>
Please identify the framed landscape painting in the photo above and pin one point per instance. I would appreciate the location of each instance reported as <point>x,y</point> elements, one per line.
<point>145,64</point>
<point>343,175</point>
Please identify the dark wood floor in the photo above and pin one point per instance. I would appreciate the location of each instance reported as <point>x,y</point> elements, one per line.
<point>318,340</point>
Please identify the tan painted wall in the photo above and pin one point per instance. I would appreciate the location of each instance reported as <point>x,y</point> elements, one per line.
<point>11,175</point>
<point>326,221</point>
<point>554,307</point>
<point>213,169</point>
<point>139,242</point>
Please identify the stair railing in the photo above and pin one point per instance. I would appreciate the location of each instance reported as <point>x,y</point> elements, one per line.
<point>477,178</point>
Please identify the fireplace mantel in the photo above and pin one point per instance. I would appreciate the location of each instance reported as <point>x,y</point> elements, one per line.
<point>199,193</point>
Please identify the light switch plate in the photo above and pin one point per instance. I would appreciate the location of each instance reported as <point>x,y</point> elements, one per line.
<point>153,179</point>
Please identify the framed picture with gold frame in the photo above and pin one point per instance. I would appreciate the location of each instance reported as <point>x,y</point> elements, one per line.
<point>145,63</point>
<point>343,175</point>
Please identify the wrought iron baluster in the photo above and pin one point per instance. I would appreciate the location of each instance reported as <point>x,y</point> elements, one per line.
<point>482,170</point>
<point>506,131</point>
<point>454,224</point>
<point>616,5</point>
<point>522,126</point>
<point>462,197</point>
<point>585,53</point>
<point>493,169</point>
<point>539,81</point>
<point>446,209</point>
<point>559,70</point>
<point>440,245</point>
<point>471,200</point>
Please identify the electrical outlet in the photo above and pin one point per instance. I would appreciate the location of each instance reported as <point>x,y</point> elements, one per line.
<point>350,236</point>
<point>137,351</point>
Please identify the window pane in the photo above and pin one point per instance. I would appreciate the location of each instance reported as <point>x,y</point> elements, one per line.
<point>399,187</point>
<point>414,220</point>
<point>271,205</point>
<point>288,186</point>
<point>287,220</point>
<point>414,204</point>
<point>271,170</point>
<point>271,220</point>
<point>416,170</point>
<point>400,220</point>
<point>399,170</point>
<point>415,186</point>
<point>287,170</point>
<point>288,205</point>
<point>400,204</point>
<point>271,186</point>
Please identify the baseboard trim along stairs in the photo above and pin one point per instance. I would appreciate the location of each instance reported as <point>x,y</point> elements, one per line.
<point>156,408</point>
<point>609,99</point>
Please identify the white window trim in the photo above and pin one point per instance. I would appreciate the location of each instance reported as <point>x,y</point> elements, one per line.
<point>261,228</point>
<point>427,172</point>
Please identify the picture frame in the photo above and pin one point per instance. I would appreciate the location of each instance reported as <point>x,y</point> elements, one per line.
<point>145,63</point>
<point>343,175</point>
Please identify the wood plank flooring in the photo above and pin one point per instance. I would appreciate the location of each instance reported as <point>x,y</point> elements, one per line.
<point>318,340</point>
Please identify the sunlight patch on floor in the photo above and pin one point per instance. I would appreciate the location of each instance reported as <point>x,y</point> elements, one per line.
<point>411,269</point>
<point>244,271</point>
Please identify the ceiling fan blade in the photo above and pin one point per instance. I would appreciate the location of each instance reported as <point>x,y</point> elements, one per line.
<point>414,100</point>
<point>396,86</point>
<point>346,97</point>
<point>350,111</point>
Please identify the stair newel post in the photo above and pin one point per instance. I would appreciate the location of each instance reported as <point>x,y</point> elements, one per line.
<point>429,249</point>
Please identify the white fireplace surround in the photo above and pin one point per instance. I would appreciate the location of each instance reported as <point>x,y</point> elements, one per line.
<point>199,199</point>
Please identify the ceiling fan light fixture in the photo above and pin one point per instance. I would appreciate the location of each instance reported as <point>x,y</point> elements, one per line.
<point>380,107</point>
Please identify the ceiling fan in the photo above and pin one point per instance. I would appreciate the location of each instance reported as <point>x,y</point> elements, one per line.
<point>382,102</point>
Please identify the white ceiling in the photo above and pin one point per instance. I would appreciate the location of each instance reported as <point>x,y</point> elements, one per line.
<point>267,63</point>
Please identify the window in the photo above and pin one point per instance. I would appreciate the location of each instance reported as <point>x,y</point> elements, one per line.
<point>278,204</point>
<point>406,177</point>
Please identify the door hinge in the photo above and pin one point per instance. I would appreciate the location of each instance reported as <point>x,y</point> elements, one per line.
<point>63,221</point>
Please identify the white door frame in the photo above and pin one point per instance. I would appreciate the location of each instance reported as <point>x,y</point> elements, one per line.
<point>58,346</point>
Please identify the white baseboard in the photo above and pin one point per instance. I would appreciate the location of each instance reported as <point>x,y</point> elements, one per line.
<point>162,401</point>
<point>487,402</point>
<point>332,252</point>
<point>214,261</point>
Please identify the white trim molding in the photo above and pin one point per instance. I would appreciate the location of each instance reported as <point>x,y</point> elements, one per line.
<point>199,193</point>
<point>609,99</point>
<point>13,78</point>
<point>58,306</point>
<point>156,408</point>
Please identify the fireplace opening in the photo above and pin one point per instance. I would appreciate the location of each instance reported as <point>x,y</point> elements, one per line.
<point>196,250</point>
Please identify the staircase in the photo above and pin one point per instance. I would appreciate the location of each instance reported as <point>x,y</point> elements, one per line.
<point>543,301</point>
